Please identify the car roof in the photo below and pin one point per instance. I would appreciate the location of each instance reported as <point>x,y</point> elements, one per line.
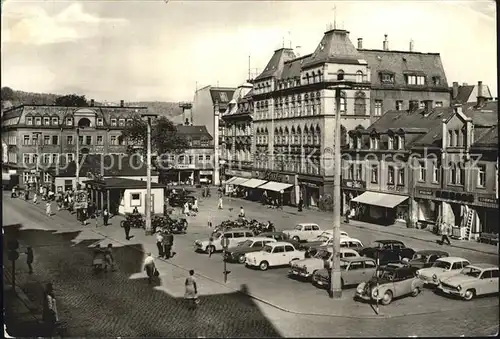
<point>237,230</point>
<point>484,266</point>
<point>389,241</point>
<point>348,238</point>
<point>430,252</point>
<point>306,224</point>
<point>342,250</point>
<point>261,238</point>
<point>351,259</point>
<point>279,243</point>
<point>452,259</point>
<point>271,233</point>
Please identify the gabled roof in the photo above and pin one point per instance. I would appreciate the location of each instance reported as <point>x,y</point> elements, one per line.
<point>275,66</point>
<point>335,47</point>
<point>489,139</point>
<point>463,95</point>
<point>292,68</point>
<point>485,116</point>
<point>222,95</point>
<point>415,121</point>
<point>194,131</point>
<point>400,63</point>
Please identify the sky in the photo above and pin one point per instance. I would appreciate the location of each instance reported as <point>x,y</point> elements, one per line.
<point>163,50</point>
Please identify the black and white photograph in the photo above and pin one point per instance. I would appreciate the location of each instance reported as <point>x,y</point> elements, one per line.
<point>248,168</point>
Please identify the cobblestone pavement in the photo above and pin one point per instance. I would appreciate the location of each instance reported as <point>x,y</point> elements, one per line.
<point>482,321</point>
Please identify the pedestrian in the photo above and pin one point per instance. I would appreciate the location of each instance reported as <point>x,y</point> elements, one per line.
<point>48,208</point>
<point>105,216</point>
<point>96,221</point>
<point>195,205</point>
<point>26,194</point>
<point>210,246</point>
<point>168,243</point>
<point>109,260</point>
<point>35,198</point>
<point>219,206</point>
<point>126,227</point>
<point>135,210</point>
<point>347,214</point>
<point>191,294</point>
<point>242,212</point>
<point>186,209</point>
<point>49,313</point>
<point>149,267</point>
<point>160,243</point>
<point>29,258</point>
<point>445,232</point>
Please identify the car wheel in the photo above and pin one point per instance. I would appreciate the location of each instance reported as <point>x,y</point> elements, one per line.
<point>469,294</point>
<point>387,298</point>
<point>242,259</point>
<point>264,266</point>
<point>297,239</point>
<point>415,292</point>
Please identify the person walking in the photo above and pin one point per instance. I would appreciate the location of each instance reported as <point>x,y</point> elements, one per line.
<point>35,198</point>
<point>347,214</point>
<point>109,260</point>
<point>149,267</point>
<point>186,209</point>
<point>168,243</point>
<point>242,212</point>
<point>126,228</point>
<point>445,233</point>
<point>49,313</point>
<point>29,258</point>
<point>210,246</point>
<point>105,216</point>
<point>191,294</point>
<point>195,205</point>
<point>160,243</point>
<point>48,208</point>
<point>220,206</point>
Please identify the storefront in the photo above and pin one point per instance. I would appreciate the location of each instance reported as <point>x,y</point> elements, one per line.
<point>487,211</point>
<point>456,210</point>
<point>278,187</point>
<point>251,190</point>
<point>310,190</point>
<point>350,190</point>
<point>380,208</point>
<point>234,179</point>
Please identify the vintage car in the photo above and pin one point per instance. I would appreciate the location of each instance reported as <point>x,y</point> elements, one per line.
<point>322,239</point>
<point>280,236</point>
<point>273,254</point>
<point>393,281</point>
<point>387,251</point>
<point>473,280</point>
<point>304,232</point>
<point>235,236</point>
<point>354,271</point>
<point>345,242</point>
<point>179,199</point>
<point>307,267</point>
<point>441,269</point>
<point>237,253</point>
<point>426,258</point>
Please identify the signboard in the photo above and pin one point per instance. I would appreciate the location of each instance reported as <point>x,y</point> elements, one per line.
<point>424,192</point>
<point>186,166</point>
<point>241,174</point>
<point>395,188</point>
<point>272,176</point>
<point>206,172</point>
<point>354,184</point>
<point>455,196</point>
<point>80,199</point>
<point>488,200</point>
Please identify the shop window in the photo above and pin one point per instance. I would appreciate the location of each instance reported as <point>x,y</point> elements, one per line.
<point>374,174</point>
<point>481,176</point>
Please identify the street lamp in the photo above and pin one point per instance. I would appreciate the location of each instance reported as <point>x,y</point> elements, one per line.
<point>336,280</point>
<point>77,158</point>
<point>37,179</point>
<point>148,229</point>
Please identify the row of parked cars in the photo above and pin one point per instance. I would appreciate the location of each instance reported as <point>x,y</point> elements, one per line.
<point>382,271</point>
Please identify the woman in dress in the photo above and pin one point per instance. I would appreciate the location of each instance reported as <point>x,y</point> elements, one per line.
<point>48,208</point>
<point>191,294</point>
<point>50,316</point>
<point>186,208</point>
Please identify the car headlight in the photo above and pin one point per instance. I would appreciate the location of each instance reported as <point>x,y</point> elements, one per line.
<point>360,289</point>
<point>434,277</point>
<point>417,273</point>
<point>375,293</point>
<point>459,287</point>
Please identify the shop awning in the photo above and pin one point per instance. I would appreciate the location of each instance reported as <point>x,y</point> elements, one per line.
<point>380,199</point>
<point>252,183</point>
<point>275,186</point>
<point>232,180</point>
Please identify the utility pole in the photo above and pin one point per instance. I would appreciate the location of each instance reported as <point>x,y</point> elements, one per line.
<point>147,204</point>
<point>77,160</point>
<point>37,168</point>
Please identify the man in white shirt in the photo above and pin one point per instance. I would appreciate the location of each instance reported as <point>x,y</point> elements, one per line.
<point>149,266</point>
<point>159,243</point>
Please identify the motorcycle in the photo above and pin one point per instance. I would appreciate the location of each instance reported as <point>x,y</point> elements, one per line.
<point>133,220</point>
<point>178,226</point>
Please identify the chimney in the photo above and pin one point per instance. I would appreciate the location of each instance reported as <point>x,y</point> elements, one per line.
<point>360,43</point>
<point>455,90</point>
<point>480,96</point>
<point>92,102</point>
<point>428,106</point>
<point>411,46</point>
<point>386,43</point>
<point>122,103</point>
<point>465,84</point>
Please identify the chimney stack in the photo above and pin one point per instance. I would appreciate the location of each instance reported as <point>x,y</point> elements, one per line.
<point>360,43</point>
<point>411,46</point>
<point>92,102</point>
<point>480,95</point>
<point>122,103</point>
<point>465,84</point>
<point>455,90</point>
<point>386,43</point>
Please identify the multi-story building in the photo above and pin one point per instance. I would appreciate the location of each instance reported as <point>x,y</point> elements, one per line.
<point>294,115</point>
<point>196,164</point>
<point>400,79</point>
<point>43,133</point>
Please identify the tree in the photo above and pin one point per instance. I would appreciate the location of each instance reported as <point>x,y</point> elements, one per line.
<point>72,100</point>
<point>7,93</point>
<point>164,138</point>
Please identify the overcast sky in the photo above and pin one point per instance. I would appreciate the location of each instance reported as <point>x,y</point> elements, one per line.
<point>153,50</point>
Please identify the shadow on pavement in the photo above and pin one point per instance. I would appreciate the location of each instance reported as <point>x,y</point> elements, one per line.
<point>120,303</point>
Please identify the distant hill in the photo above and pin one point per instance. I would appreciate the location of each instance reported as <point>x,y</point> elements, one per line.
<point>170,110</point>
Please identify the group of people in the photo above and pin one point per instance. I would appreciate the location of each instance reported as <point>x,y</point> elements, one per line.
<point>164,242</point>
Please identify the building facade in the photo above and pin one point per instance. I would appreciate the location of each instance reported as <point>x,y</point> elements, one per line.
<point>44,133</point>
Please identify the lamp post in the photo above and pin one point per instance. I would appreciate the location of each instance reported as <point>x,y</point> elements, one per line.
<point>37,179</point>
<point>77,175</point>
<point>147,204</point>
<point>335,280</point>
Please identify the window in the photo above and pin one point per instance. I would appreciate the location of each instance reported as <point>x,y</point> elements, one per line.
<point>70,157</point>
<point>69,121</point>
<point>100,140</point>
<point>401,176</point>
<point>46,121</point>
<point>29,120</point>
<point>88,140</point>
<point>204,142</point>
<point>207,157</point>
<point>456,137</point>
<point>359,76</point>
<point>360,104</point>
<point>55,121</point>
<point>46,139</point>
<point>46,158</point>
<point>356,265</point>
<point>453,174</point>
<point>457,266</point>
<point>390,175</point>
<point>486,275</point>
<point>359,172</point>
<point>494,274</point>
<point>38,121</point>
<point>100,122</point>
<point>481,175</point>
<point>55,158</point>
<point>135,199</point>
<point>420,80</point>
<point>69,140</point>
<point>289,248</point>
<point>411,79</point>
<point>200,157</point>
<point>340,74</point>
<point>374,142</point>
<point>399,105</point>
<point>390,143</point>
<point>315,228</point>
<point>55,140</point>
<point>26,140</point>
<point>190,159</point>
<point>181,159</point>
<point>387,78</point>
<point>342,101</point>
<point>113,140</point>
<point>401,142</point>
<point>308,228</point>
<point>223,97</point>
<point>436,81</point>
<point>439,104</point>
<point>80,139</point>
<point>374,174</point>
<point>113,122</point>
<point>350,173</point>
<point>421,171</point>
<point>238,234</point>
<point>378,107</point>
<point>460,174</point>
<point>26,158</point>
<point>435,173</point>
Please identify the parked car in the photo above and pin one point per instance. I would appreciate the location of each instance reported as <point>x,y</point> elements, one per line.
<point>441,269</point>
<point>235,236</point>
<point>304,232</point>
<point>307,267</point>
<point>394,281</point>
<point>354,271</point>
<point>426,258</point>
<point>345,242</point>
<point>387,251</point>
<point>273,254</point>
<point>237,253</point>
<point>322,239</point>
<point>179,199</point>
<point>280,236</point>
<point>473,280</point>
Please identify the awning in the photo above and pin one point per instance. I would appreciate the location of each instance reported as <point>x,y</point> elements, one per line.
<point>252,183</point>
<point>275,186</point>
<point>380,199</point>
<point>231,180</point>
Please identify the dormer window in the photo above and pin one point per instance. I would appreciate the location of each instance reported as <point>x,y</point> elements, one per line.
<point>38,121</point>
<point>387,78</point>
<point>100,122</point>
<point>390,144</point>
<point>401,141</point>
<point>113,122</point>
<point>121,122</point>
<point>46,121</point>
<point>418,80</point>
<point>69,121</point>
<point>340,74</point>
<point>373,142</point>
<point>55,121</point>
<point>29,120</point>
<point>436,81</point>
